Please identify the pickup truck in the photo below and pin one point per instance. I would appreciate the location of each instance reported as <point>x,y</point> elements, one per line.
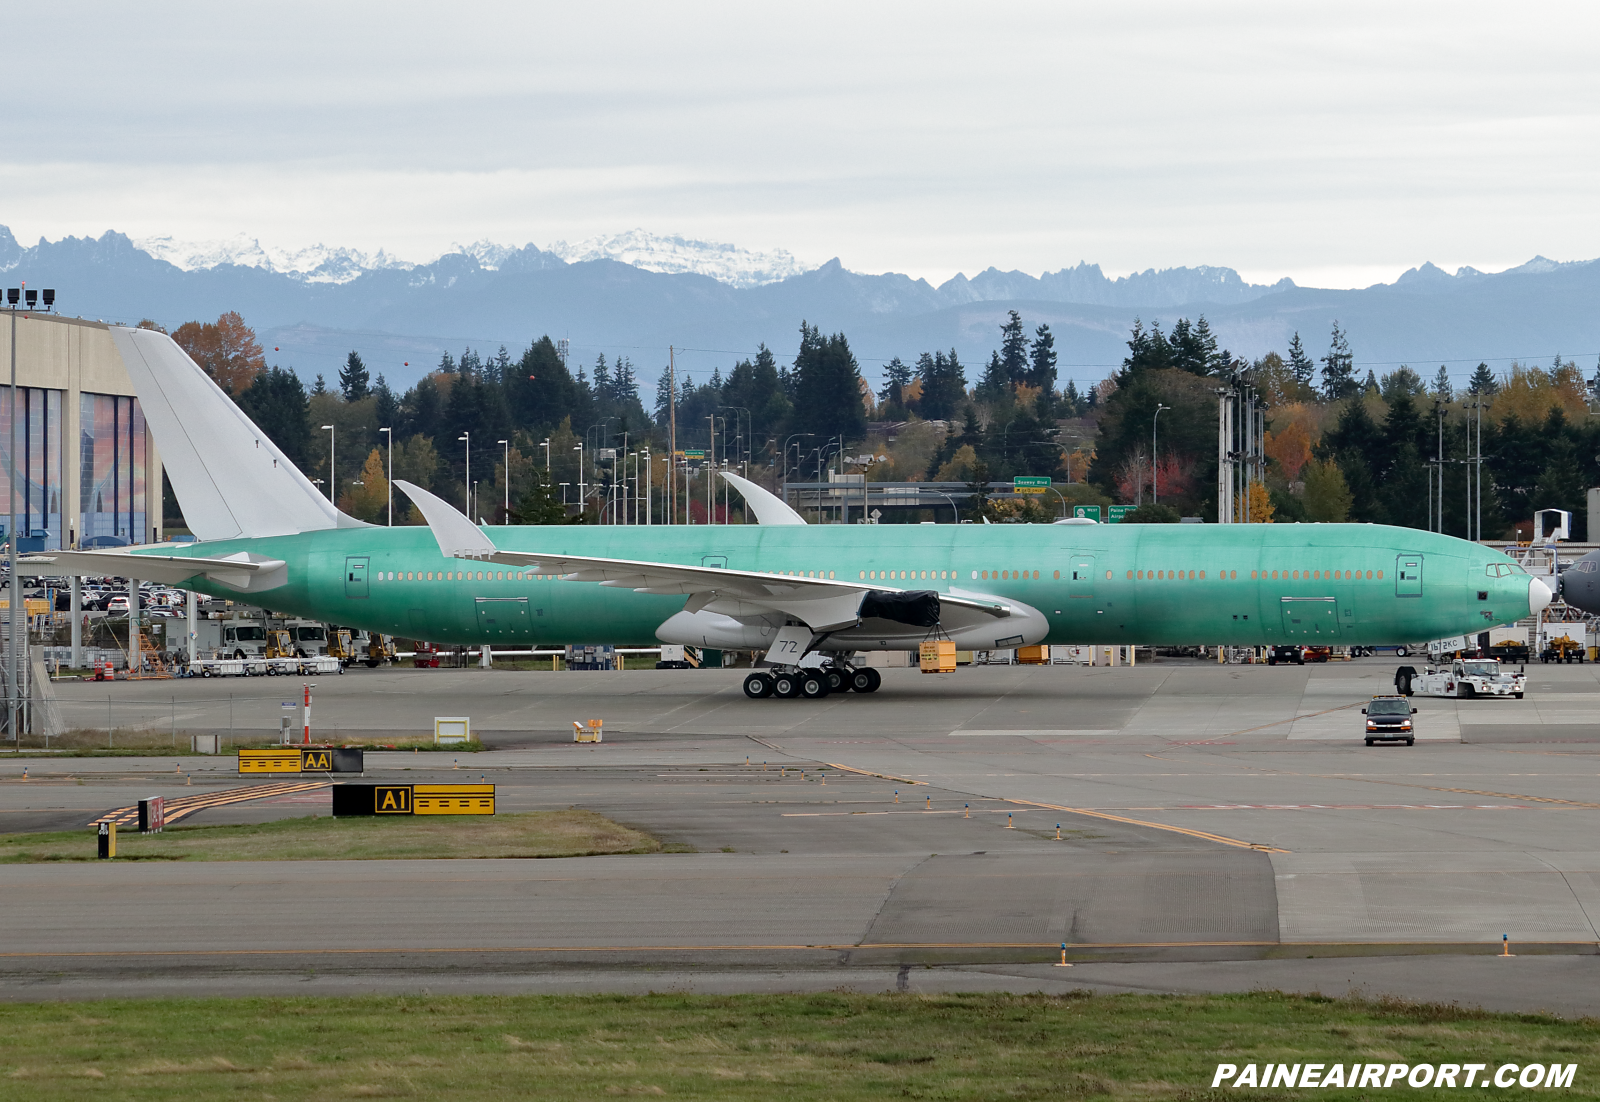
<point>1469,677</point>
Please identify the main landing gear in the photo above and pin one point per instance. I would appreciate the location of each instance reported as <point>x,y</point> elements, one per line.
<point>812,684</point>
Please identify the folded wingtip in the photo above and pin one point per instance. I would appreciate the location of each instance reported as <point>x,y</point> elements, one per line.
<point>458,537</point>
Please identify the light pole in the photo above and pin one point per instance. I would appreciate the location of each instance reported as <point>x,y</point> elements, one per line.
<point>582,490</point>
<point>389,433</point>
<point>14,641</point>
<point>564,486</point>
<point>333,480</point>
<point>507,446</point>
<point>1154,466</point>
<point>649,471</point>
<point>467,437</point>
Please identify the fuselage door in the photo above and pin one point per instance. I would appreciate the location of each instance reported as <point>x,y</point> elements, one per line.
<point>1408,575</point>
<point>355,576</point>
<point>1080,579</point>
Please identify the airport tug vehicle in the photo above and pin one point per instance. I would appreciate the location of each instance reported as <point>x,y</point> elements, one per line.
<point>1469,677</point>
<point>1389,720</point>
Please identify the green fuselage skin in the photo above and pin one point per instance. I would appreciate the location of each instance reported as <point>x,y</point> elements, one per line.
<point>1285,583</point>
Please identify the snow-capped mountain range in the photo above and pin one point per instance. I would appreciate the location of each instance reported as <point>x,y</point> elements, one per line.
<point>641,291</point>
<point>672,255</point>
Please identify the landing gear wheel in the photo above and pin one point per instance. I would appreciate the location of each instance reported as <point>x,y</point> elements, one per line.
<point>863,681</point>
<point>758,686</point>
<point>837,681</point>
<point>813,686</point>
<point>786,686</point>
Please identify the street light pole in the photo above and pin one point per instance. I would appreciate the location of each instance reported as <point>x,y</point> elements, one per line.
<point>333,481</point>
<point>467,436</point>
<point>582,493</point>
<point>507,445</point>
<point>1155,467</point>
<point>389,433</point>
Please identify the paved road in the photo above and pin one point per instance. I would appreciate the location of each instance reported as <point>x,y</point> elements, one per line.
<point>1208,811</point>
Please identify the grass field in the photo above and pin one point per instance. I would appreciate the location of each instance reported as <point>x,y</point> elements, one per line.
<point>571,833</point>
<point>831,1046</point>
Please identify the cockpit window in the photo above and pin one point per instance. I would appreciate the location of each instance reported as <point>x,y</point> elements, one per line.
<point>1503,569</point>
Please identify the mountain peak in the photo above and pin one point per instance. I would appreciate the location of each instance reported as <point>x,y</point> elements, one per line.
<point>673,255</point>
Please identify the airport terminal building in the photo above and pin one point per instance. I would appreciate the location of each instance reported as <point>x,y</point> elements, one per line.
<point>88,471</point>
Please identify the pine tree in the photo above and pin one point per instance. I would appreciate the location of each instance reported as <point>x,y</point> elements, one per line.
<point>944,385</point>
<point>897,375</point>
<point>353,378</point>
<point>276,402</point>
<point>995,383</point>
<point>1013,349</point>
<point>387,407</point>
<point>447,364</point>
<point>1442,390</point>
<point>1206,340</point>
<point>541,504</point>
<point>1338,370</point>
<point>320,387</point>
<point>1148,350</point>
<point>1072,399</point>
<point>1042,357</point>
<point>1483,383</point>
<point>1302,367</point>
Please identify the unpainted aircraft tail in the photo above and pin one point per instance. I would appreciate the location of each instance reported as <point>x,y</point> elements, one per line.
<point>231,480</point>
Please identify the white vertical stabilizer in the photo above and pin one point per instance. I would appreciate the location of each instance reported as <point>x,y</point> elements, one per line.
<point>231,480</point>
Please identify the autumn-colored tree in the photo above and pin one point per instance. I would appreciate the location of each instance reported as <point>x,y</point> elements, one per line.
<point>227,350</point>
<point>1532,392</point>
<point>1260,503</point>
<point>369,500</point>
<point>1291,447</point>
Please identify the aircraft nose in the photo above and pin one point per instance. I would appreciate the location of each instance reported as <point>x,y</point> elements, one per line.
<point>1539,596</point>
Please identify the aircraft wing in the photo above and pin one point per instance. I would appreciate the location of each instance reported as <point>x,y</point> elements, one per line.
<point>243,571</point>
<point>825,604</point>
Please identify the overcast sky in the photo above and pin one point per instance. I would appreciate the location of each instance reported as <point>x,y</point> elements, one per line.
<point>1338,144</point>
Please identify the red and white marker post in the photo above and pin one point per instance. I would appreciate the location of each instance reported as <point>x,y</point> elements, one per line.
<point>307,714</point>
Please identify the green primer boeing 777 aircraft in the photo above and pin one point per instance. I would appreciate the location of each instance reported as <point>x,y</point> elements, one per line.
<point>806,595</point>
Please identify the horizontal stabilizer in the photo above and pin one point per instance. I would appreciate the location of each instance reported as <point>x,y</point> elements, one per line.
<point>245,572</point>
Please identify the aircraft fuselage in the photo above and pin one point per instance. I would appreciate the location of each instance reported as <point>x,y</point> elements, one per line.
<point>1148,584</point>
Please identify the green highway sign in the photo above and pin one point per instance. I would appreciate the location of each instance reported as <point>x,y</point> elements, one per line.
<point>693,453</point>
<point>1030,484</point>
<point>1120,511</point>
<point>1087,512</point>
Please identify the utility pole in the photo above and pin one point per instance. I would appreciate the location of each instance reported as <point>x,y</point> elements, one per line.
<point>333,483</point>
<point>1154,466</point>
<point>672,433</point>
<point>506,444</point>
<point>389,433</point>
